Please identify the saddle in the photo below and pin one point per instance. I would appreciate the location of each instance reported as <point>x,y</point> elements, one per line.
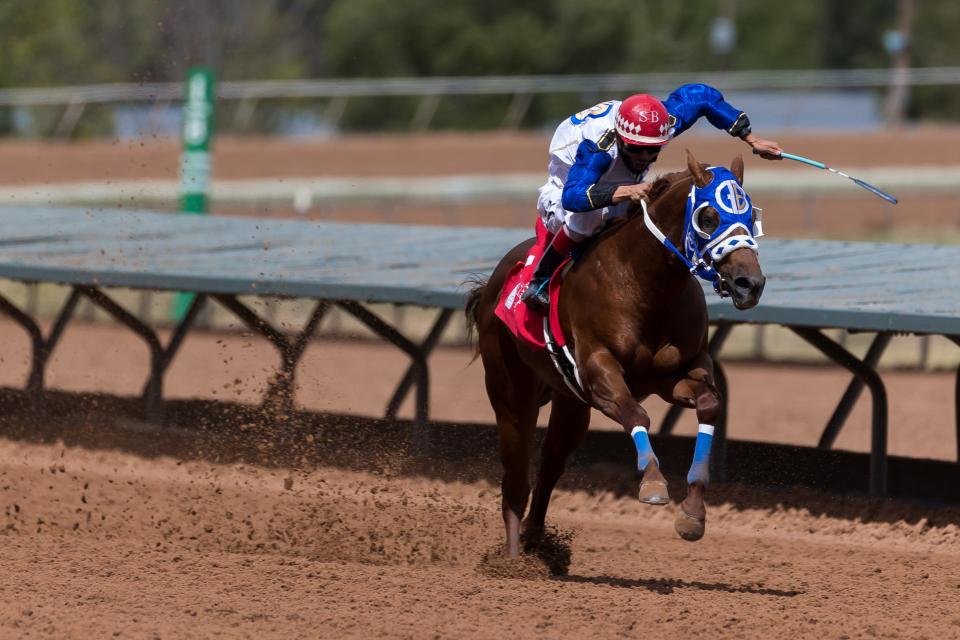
<point>532,326</point>
<point>527,323</point>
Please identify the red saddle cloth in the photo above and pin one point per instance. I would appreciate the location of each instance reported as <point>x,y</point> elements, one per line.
<point>524,322</point>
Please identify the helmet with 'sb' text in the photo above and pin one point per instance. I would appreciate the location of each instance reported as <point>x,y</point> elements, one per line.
<point>643,120</point>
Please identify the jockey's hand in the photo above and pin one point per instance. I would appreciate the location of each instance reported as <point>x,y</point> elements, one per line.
<point>633,192</point>
<point>766,149</point>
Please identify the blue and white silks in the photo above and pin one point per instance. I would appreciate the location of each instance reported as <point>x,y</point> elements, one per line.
<point>589,163</point>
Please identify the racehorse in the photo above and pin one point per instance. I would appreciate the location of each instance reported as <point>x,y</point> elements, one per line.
<point>635,319</point>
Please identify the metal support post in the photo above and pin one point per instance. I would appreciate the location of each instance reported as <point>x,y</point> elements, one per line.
<point>40,348</point>
<point>519,105</point>
<point>243,116</point>
<point>878,440</point>
<point>154,383</point>
<point>426,347</point>
<point>718,457</point>
<point>59,326</point>
<point>281,390</point>
<point>153,392</point>
<point>956,398</point>
<point>424,113</point>
<point>333,113</point>
<point>854,389</point>
<point>69,119</point>
<point>421,375</point>
<point>279,395</point>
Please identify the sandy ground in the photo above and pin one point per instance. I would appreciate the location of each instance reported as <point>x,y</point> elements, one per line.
<point>100,542</point>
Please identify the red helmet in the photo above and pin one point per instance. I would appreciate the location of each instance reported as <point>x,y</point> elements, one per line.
<point>642,119</point>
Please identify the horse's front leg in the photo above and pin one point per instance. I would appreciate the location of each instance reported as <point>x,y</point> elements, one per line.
<point>698,388</point>
<point>603,377</point>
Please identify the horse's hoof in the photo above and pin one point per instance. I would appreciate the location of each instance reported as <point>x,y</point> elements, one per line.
<point>654,492</point>
<point>690,528</point>
<point>531,537</point>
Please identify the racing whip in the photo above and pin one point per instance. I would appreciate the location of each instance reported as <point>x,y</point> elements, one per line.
<point>819,165</point>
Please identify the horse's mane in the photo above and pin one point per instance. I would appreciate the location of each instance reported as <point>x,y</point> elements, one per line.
<point>663,184</point>
<point>660,187</point>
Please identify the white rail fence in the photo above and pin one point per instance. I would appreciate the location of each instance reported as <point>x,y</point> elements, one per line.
<point>337,92</point>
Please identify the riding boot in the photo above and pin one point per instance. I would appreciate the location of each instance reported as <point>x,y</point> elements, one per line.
<point>537,293</point>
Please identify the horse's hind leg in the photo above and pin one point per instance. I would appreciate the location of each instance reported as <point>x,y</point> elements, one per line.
<point>604,377</point>
<point>514,393</point>
<point>569,420</point>
<point>698,389</point>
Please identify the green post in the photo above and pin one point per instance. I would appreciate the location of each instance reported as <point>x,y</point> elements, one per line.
<point>195,163</point>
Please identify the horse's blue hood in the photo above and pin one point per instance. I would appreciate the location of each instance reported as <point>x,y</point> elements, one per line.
<point>725,195</point>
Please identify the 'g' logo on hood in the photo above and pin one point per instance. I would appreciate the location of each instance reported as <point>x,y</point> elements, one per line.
<point>731,197</point>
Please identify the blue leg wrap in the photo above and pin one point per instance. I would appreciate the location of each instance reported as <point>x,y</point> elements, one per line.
<point>645,453</point>
<point>700,469</point>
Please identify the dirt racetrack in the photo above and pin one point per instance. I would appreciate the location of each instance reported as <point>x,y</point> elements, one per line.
<point>24,162</point>
<point>319,525</point>
<point>113,529</point>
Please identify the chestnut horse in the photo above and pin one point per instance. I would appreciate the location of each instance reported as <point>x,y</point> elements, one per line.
<point>635,319</point>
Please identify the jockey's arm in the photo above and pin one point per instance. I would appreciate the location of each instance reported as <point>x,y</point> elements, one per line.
<point>691,102</point>
<point>581,191</point>
<point>767,149</point>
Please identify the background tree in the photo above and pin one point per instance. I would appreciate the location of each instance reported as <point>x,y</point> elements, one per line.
<point>63,42</point>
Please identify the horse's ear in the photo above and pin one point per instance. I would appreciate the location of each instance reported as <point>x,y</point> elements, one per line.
<point>699,175</point>
<point>736,167</point>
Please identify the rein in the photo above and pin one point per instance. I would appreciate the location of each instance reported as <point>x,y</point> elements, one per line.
<point>699,268</point>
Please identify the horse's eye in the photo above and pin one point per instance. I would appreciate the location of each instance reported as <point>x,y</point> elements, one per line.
<point>708,221</point>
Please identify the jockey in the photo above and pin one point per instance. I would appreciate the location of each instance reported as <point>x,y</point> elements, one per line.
<point>599,157</point>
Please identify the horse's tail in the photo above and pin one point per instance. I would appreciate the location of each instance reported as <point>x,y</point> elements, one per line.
<point>472,310</point>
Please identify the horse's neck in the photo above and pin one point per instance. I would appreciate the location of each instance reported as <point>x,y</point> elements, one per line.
<point>637,245</point>
<point>631,270</point>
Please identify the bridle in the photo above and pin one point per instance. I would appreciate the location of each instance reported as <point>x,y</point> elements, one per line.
<point>702,249</point>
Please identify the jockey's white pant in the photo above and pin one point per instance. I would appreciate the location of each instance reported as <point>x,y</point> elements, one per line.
<point>580,224</point>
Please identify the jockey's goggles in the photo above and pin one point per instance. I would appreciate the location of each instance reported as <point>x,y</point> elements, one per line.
<point>645,149</point>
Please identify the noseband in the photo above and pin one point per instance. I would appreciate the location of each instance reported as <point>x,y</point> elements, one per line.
<point>701,249</point>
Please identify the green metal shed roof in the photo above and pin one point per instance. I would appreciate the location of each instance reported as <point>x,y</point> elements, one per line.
<point>854,285</point>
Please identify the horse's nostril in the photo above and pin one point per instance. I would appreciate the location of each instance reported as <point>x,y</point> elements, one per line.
<point>748,283</point>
